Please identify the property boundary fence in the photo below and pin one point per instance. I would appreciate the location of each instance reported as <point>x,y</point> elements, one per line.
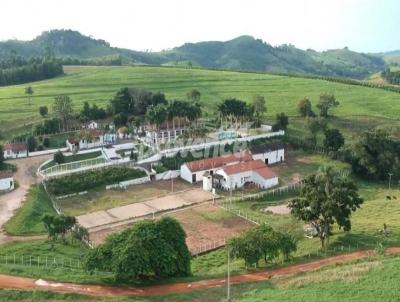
<point>40,261</point>
<point>207,247</point>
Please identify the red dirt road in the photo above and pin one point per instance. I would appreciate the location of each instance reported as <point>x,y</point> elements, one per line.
<point>111,291</point>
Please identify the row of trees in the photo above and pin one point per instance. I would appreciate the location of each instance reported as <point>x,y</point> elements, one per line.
<point>262,242</point>
<point>326,102</point>
<point>393,77</point>
<point>28,71</point>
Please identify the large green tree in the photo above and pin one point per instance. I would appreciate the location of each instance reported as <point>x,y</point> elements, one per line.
<point>149,249</point>
<point>334,140</point>
<point>262,242</point>
<point>260,108</point>
<point>326,198</point>
<point>326,102</point>
<point>375,154</point>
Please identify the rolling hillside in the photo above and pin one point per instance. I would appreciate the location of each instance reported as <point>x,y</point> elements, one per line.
<point>242,53</point>
<point>99,84</point>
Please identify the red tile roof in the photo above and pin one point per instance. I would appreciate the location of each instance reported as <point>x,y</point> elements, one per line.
<point>217,162</point>
<point>5,174</point>
<point>15,147</point>
<point>257,166</point>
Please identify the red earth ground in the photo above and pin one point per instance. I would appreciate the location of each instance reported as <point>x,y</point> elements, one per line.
<point>113,291</point>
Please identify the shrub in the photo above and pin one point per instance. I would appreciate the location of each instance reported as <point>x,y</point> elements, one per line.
<point>59,157</point>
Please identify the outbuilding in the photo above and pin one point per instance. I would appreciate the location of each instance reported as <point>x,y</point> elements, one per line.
<point>271,153</point>
<point>15,150</point>
<point>6,181</point>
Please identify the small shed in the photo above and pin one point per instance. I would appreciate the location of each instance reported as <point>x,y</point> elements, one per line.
<point>6,181</point>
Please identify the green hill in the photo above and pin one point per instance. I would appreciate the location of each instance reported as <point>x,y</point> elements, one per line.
<point>243,53</point>
<point>99,84</point>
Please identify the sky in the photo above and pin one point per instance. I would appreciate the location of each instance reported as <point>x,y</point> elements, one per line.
<point>361,25</point>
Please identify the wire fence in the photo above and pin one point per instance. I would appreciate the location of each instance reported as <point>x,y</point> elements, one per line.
<point>40,261</point>
<point>208,246</point>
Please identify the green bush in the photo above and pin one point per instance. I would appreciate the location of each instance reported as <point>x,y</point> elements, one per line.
<point>88,180</point>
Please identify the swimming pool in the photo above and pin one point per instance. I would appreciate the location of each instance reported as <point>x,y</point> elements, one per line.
<point>226,134</point>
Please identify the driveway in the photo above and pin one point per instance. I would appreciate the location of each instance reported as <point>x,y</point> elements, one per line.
<point>25,177</point>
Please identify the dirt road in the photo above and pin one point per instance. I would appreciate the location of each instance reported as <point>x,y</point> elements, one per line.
<point>25,176</point>
<point>113,291</point>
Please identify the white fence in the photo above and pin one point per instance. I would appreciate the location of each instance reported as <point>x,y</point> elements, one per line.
<point>124,184</point>
<point>171,152</point>
<point>71,195</point>
<point>167,175</point>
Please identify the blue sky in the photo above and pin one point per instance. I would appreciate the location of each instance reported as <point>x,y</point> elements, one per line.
<point>362,25</point>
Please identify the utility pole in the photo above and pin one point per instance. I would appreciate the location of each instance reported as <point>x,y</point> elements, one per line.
<point>228,292</point>
<point>390,179</point>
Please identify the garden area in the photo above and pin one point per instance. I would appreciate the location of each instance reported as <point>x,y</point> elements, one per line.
<point>80,182</point>
<point>74,158</point>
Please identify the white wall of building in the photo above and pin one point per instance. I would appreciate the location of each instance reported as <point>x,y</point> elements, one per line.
<point>273,157</point>
<point>9,154</point>
<point>236,181</point>
<point>7,184</point>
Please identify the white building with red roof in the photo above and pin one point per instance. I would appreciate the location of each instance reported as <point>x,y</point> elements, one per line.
<point>15,150</point>
<point>194,171</point>
<point>237,175</point>
<point>6,181</point>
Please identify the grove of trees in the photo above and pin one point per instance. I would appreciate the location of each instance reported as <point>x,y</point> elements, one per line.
<point>18,70</point>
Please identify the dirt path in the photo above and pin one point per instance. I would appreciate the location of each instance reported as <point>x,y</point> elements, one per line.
<point>25,176</point>
<point>113,291</point>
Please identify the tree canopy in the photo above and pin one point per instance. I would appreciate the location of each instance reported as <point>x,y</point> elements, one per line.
<point>150,249</point>
<point>262,242</point>
<point>304,107</point>
<point>375,154</point>
<point>326,198</point>
<point>326,102</point>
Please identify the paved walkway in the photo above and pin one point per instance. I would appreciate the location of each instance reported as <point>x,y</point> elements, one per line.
<point>143,209</point>
<point>7,281</point>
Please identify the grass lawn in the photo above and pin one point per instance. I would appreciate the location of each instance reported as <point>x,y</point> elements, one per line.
<point>99,84</point>
<point>27,220</point>
<point>74,158</point>
<point>58,140</point>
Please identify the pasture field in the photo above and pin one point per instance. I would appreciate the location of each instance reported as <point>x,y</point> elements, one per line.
<point>99,84</point>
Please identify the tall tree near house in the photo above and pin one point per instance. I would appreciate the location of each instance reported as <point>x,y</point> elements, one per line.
<point>260,108</point>
<point>327,198</point>
<point>326,102</point>
<point>62,107</point>
<point>43,110</point>
<point>156,115</point>
<point>282,121</point>
<point>29,91</point>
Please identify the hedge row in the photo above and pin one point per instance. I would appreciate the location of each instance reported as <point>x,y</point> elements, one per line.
<point>89,180</point>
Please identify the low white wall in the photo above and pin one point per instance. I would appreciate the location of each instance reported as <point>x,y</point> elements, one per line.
<point>131,182</point>
<point>168,175</point>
